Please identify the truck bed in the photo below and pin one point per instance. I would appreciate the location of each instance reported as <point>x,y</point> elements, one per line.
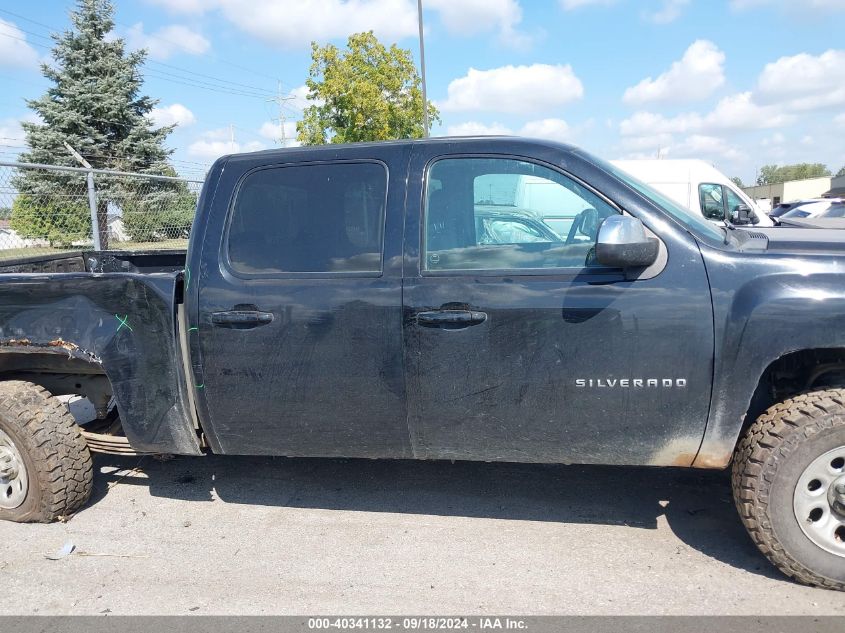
<point>116,261</point>
<point>106,312</point>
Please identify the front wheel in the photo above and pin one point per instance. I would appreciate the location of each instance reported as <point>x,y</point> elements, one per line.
<point>45,467</point>
<point>789,486</point>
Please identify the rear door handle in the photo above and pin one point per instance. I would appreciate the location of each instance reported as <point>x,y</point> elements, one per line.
<point>241,317</point>
<point>451,319</point>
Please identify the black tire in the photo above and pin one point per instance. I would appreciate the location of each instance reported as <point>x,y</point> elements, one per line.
<point>58,463</point>
<point>769,461</point>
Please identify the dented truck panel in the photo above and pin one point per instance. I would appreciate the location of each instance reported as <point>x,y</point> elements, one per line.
<point>766,306</point>
<point>120,323</point>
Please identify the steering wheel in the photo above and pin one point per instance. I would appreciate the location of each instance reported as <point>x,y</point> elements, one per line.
<point>587,223</point>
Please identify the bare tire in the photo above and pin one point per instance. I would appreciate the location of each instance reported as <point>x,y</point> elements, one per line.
<point>45,466</point>
<point>789,486</point>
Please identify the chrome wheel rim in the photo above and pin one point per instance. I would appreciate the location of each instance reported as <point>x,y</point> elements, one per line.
<point>819,501</point>
<point>13,477</point>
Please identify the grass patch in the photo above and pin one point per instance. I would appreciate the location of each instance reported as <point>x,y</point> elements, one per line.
<point>46,251</point>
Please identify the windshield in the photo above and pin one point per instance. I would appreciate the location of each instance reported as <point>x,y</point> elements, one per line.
<point>835,211</point>
<point>692,221</point>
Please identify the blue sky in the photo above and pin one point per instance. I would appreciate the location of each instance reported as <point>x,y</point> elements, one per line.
<point>741,83</point>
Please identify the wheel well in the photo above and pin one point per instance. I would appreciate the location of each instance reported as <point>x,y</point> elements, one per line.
<point>60,372</point>
<point>796,373</point>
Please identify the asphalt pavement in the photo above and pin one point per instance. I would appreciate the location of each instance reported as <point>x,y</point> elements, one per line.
<point>238,535</point>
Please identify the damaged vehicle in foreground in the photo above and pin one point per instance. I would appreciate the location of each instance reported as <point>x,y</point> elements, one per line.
<point>342,301</point>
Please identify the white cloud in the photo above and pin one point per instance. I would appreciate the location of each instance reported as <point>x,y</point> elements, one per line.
<point>694,77</point>
<point>182,6</point>
<point>167,41</point>
<point>175,114</point>
<point>792,5</point>
<point>300,99</point>
<point>669,12</point>
<point>651,124</point>
<point>471,17</point>
<point>549,129</point>
<point>840,120</point>
<point>213,144</point>
<point>294,24</point>
<point>513,89</point>
<point>804,82</point>
<point>703,146</point>
<point>271,130</point>
<point>642,143</point>
<point>15,51</point>
<point>731,113</point>
<point>741,111</point>
<point>775,139</point>
<point>570,5</point>
<point>474,128</point>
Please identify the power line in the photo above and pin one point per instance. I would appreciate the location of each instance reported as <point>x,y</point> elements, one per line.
<point>159,37</point>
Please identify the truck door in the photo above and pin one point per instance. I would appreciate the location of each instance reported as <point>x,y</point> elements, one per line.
<point>520,347</point>
<point>299,306</point>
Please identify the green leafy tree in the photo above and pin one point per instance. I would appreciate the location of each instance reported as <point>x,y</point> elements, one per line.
<point>738,182</point>
<point>95,105</point>
<point>840,173</point>
<point>166,212</point>
<point>366,93</point>
<point>59,222</point>
<point>773,174</point>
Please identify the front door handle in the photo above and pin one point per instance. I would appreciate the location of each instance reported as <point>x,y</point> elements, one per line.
<point>451,319</point>
<point>241,317</point>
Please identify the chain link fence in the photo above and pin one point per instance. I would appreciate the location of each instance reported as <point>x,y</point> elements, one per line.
<point>46,209</point>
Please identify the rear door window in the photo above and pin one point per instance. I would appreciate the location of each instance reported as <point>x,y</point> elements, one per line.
<point>326,218</point>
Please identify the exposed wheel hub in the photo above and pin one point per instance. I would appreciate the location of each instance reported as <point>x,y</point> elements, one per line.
<point>837,496</point>
<point>819,501</point>
<point>8,464</point>
<point>13,477</point>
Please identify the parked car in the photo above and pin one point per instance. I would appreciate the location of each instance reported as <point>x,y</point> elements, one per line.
<point>783,208</point>
<point>810,208</point>
<point>700,187</point>
<point>337,301</point>
<point>831,215</point>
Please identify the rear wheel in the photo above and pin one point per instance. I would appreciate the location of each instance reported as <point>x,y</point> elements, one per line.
<point>789,486</point>
<point>45,466</point>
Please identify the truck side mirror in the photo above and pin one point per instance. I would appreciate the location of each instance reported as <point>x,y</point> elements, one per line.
<point>741,215</point>
<point>622,243</point>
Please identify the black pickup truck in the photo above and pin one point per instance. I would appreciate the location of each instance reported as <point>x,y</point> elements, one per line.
<point>342,301</point>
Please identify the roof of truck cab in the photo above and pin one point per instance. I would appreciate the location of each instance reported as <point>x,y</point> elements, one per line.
<point>438,140</point>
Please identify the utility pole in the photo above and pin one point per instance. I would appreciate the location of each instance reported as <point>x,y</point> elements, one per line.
<point>281,100</point>
<point>232,137</point>
<point>422,67</point>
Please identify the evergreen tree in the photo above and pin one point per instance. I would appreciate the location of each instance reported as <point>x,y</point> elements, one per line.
<point>96,106</point>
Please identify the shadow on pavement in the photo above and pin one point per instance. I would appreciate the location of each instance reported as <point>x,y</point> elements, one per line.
<point>697,504</point>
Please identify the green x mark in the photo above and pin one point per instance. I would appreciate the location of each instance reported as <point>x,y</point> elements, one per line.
<point>123,322</point>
